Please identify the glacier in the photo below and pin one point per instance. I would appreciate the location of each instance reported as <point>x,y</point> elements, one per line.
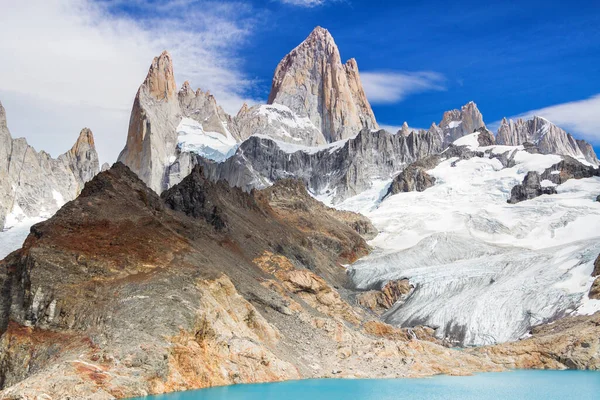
<point>484,271</point>
<point>191,137</point>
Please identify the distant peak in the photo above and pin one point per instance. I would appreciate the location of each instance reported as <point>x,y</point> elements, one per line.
<point>86,137</point>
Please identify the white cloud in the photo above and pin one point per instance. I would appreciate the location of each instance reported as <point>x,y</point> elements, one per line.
<point>581,118</point>
<point>68,59</point>
<point>305,3</point>
<point>384,87</point>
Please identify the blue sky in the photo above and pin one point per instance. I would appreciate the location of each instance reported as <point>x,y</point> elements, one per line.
<point>511,59</point>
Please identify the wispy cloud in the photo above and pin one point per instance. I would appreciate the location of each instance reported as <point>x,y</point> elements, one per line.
<point>581,118</point>
<point>307,3</point>
<point>385,87</point>
<point>88,57</point>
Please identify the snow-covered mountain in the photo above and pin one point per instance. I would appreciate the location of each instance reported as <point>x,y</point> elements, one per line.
<point>484,270</point>
<point>548,138</point>
<point>33,185</point>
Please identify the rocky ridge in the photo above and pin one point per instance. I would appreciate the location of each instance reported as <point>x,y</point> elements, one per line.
<point>547,137</point>
<point>122,293</point>
<point>33,183</point>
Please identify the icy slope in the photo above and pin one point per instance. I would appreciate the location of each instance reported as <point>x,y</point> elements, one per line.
<point>485,271</point>
<point>17,228</point>
<point>191,137</point>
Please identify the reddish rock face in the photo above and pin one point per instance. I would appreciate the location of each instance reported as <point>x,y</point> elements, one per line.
<point>152,136</point>
<point>312,81</point>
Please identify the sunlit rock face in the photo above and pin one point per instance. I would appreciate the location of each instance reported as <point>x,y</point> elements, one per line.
<point>152,135</point>
<point>313,82</point>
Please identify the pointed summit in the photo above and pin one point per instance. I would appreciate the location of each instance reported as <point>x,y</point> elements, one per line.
<point>83,158</point>
<point>152,135</point>
<point>160,81</point>
<point>458,123</point>
<point>312,82</point>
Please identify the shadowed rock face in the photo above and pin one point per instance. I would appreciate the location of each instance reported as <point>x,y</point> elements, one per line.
<point>529,189</point>
<point>346,170</point>
<point>33,183</point>
<point>414,178</point>
<point>568,168</point>
<point>122,293</point>
<point>312,81</point>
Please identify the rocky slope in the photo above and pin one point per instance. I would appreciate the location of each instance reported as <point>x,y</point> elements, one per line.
<point>548,138</point>
<point>569,343</point>
<point>312,81</point>
<point>123,293</point>
<point>34,184</point>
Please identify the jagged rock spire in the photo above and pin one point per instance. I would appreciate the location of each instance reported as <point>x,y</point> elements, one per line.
<point>312,81</point>
<point>83,158</point>
<point>152,135</point>
<point>160,81</point>
<point>548,138</point>
<point>458,123</point>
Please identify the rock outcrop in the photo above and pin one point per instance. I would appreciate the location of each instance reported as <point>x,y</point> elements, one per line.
<point>547,137</point>
<point>529,189</point>
<point>153,296</point>
<point>312,82</point>
<point>379,301</point>
<point>414,177</point>
<point>458,123</point>
<point>278,122</point>
<point>535,184</point>
<point>34,184</point>
<point>595,289</point>
<point>152,136</point>
<point>568,343</point>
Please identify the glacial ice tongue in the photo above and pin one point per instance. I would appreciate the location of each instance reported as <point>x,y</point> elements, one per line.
<point>484,271</point>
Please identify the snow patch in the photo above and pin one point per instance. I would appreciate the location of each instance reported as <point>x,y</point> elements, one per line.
<point>191,137</point>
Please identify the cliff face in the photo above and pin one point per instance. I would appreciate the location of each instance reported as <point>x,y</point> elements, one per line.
<point>205,286</point>
<point>312,81</point>
<point>202,107</point>
<point>337,172</point>
<point>33,183</point>
<point>152,135</point>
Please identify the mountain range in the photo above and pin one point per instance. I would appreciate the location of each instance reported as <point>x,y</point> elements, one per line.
<point>295,239</point>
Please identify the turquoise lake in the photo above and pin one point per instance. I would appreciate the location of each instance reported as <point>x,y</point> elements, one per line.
<point>536,385</point>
